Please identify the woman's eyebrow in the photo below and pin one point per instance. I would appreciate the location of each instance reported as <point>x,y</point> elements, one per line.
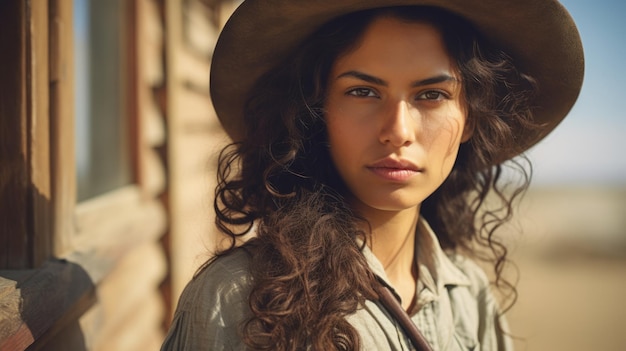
<point>364,77</point>
<point>435,80</point>
<point>378,81</point>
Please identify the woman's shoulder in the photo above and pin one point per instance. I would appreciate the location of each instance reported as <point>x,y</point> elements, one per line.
<point>233,266</point>
<point>213,306</point>
<point>225,279</point>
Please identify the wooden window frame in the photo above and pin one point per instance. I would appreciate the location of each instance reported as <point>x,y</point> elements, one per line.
<point>55,251</point>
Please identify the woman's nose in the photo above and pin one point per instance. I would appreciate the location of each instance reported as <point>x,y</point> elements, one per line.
<point>398,127</point>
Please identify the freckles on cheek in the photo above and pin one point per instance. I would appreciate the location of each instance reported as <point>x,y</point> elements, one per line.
<point>449,132</point>
<point>443,146</point>
<point>455,134</point>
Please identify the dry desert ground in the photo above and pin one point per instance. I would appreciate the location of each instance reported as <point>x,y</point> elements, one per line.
<point>569,245</point>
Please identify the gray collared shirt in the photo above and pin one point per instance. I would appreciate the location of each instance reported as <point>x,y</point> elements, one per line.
<point>455,310</point>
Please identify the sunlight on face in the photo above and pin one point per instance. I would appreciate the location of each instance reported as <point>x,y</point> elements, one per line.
<point>394,115</point>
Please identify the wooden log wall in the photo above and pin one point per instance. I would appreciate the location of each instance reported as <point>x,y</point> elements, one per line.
<point>106,273</point>
<point>118,235</point>
<point>129,309</point>
<point>195,135</point>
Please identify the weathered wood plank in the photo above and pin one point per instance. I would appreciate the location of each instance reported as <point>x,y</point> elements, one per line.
<point>121,293</point>
<point>10,318</point>
<point>68,292</point>
<point>136,276</point>
<point>102,241</point>
<point>63,164</point>
<point>132,332</point>
<point>39,132</point>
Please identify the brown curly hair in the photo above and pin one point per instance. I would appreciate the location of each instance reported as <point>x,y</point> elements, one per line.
<point>308,270</point>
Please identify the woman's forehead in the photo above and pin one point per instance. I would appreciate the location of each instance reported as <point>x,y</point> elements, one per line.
<point>390,45</point>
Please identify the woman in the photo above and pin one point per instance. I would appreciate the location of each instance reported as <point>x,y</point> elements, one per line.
<point>367,138</point>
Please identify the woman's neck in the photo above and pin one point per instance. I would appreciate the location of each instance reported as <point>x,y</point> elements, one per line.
<point>393,240</point>
<point>393,243</point>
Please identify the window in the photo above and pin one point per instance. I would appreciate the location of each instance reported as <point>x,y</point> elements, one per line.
<point>101,97</point>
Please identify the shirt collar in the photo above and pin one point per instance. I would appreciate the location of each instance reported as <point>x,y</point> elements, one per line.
<point>432,258</point>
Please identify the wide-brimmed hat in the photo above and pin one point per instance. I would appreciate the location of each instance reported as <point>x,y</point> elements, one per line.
<point>539,35</point>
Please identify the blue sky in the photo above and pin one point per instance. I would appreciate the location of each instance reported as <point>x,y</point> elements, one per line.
<point>588,147</point>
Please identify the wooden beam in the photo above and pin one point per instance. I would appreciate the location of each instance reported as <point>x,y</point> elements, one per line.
<point>38,107</point>
<point>63,164</point>
<point>25,194</point>
<point>68,292</point>
<point>14,162</point>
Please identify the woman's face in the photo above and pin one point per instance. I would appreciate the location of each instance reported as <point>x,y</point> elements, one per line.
<point>395,115</point>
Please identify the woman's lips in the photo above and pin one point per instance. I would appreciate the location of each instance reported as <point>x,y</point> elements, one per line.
<point>394,170</point>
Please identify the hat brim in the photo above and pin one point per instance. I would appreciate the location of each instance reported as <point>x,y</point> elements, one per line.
<point>539,35</point>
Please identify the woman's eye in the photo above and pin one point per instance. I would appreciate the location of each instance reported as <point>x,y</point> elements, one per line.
<point>432,95</point>
<point>362,92</point>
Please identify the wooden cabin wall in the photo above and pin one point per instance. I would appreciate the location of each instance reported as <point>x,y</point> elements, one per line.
<point>80,274</point>
<point>104,272</point>
<point>130,309</point>
<point>195,135</point>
